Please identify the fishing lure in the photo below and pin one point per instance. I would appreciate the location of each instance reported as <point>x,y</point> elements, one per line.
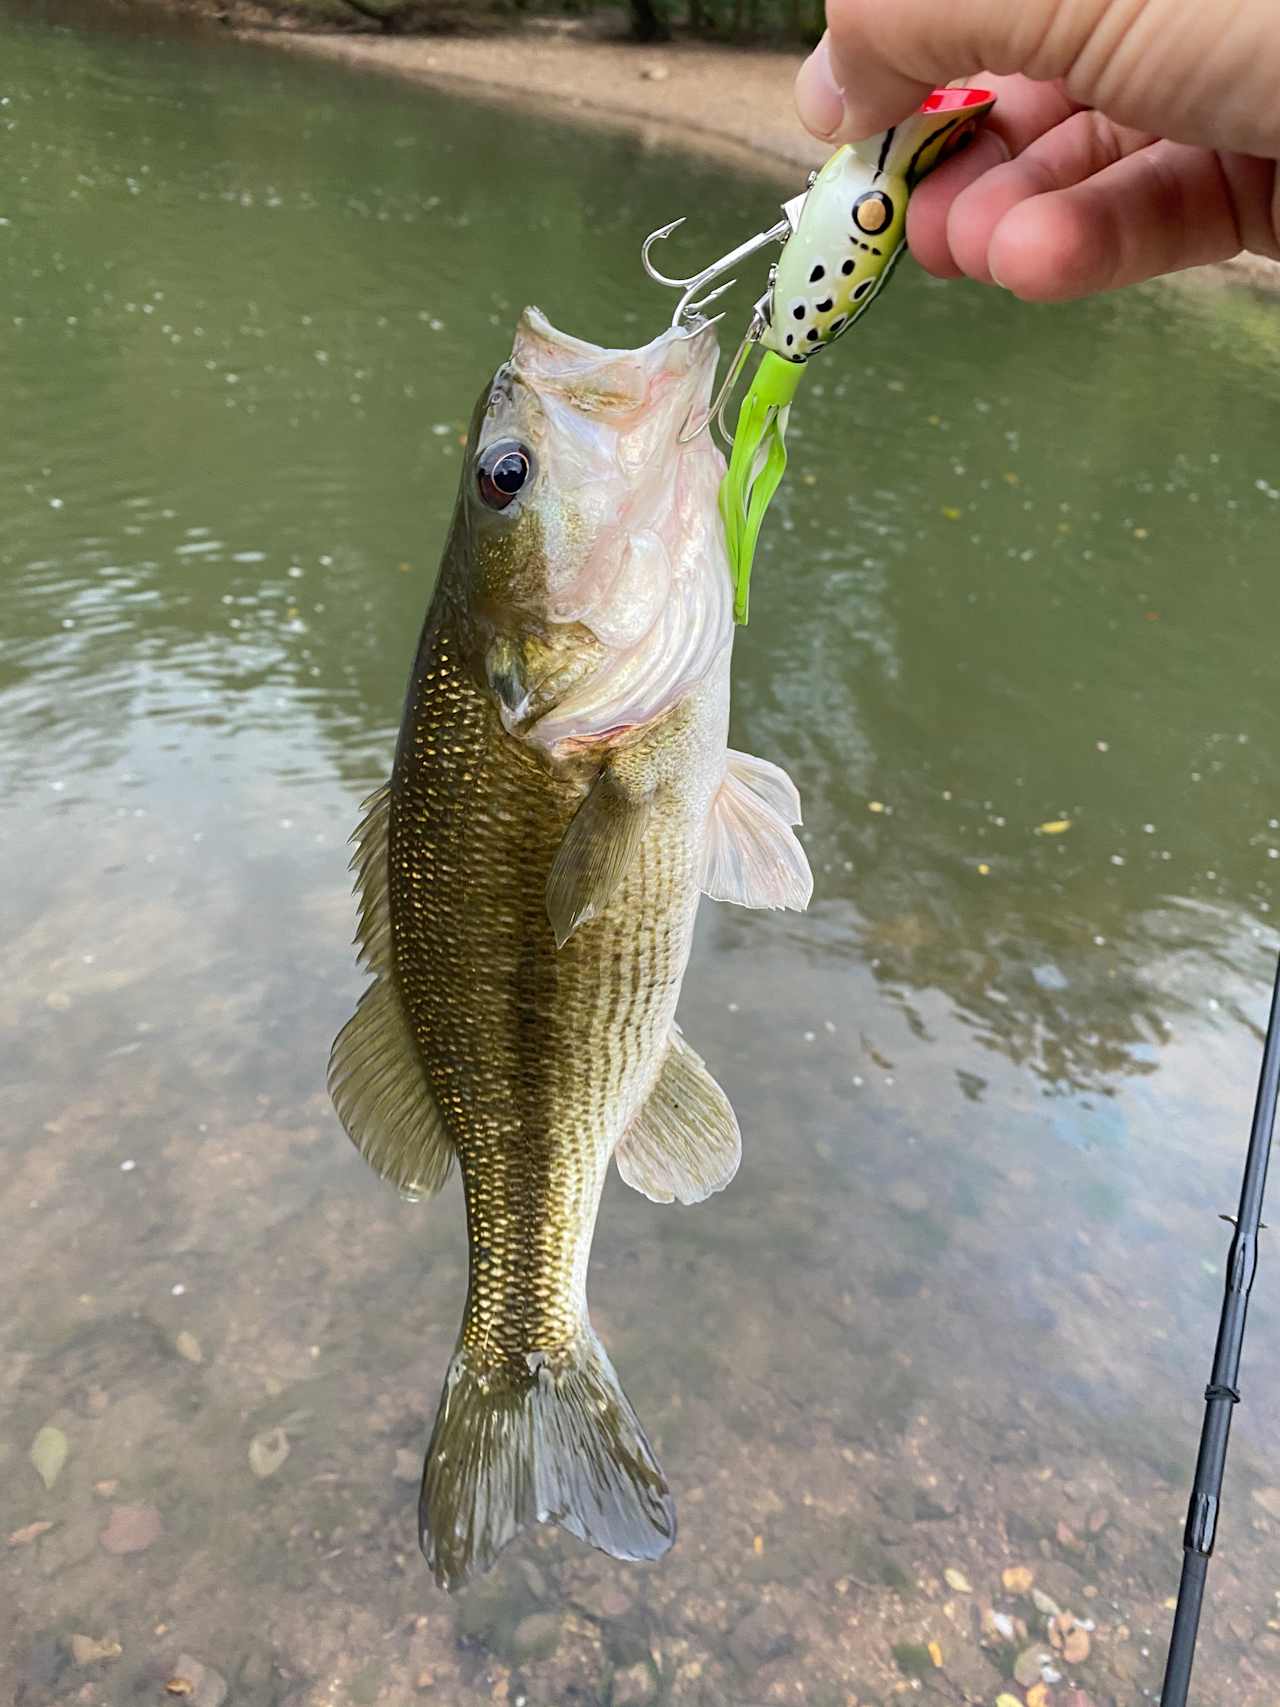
<point>841,238</point>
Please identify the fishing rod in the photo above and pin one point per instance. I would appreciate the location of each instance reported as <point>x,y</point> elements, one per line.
<point>1222,1394</point>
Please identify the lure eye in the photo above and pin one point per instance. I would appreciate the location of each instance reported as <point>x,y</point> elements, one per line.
<point>872,212</point>
<point>502,471</point>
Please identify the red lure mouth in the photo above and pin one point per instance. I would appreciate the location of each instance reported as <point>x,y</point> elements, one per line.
<point>953,100</point>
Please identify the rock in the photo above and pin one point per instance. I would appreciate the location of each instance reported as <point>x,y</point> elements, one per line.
<point>204,1686</point>
<point>957,1580</point>
<point>605,1599</point>
<point>1068,1538</point>
<point>634,1687</point>
<point>913,1659</point>
<point>1269,1500</point>
<point>1038,1695</point>
<point>107,1487</point>
<point>408,1466</point>
<point>268,1451</point>
<point>1069,1638</point>
<point>1026,1668</point>
<point>188,1346</point>
<point>535,1637</point>
<point>89,1650</point>
<point>1017,1579</point>
<point>1045,1603</point>
<point>32,1532</point>
<point>996,1629</point>
<point>131,1529</point>
<point>533,1577</point>
<point>1098,1520</point>
<point>655,74</point>
<point>764,1634</point>
<point>49,1453</point>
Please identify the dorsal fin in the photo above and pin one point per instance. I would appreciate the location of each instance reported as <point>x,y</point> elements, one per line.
<point>376,1076</point>
<point>684,1142</point>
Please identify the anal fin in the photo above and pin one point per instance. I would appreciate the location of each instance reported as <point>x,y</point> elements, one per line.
<point>753,856</point>
<point>376,1075</point>
<point>684,1143</point>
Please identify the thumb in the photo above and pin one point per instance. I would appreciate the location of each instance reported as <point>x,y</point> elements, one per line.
<point>1190,70</point>
<point>880,58</point>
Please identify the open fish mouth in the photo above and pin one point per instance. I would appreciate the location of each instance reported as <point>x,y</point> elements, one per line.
<point>677,366</point>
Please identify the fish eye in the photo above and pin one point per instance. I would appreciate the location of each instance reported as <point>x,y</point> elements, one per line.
<point>502,471</point>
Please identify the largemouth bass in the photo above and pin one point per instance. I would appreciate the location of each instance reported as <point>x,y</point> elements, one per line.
<point>562,793</point>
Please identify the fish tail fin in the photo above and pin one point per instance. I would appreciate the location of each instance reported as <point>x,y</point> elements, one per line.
<point>560,1444</point>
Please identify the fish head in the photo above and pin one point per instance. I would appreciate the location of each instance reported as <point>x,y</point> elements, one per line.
<point>588,549</point>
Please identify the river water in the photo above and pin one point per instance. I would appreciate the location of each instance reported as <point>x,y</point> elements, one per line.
<point>1011,633</point>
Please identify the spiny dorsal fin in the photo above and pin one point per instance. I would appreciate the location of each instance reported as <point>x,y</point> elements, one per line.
<point>753,857</point>
<point>684,1143</point>
<point>592,860</point>
<point>376,1077</point>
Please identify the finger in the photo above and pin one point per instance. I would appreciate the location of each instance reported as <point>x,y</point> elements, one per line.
<point>1203,73</point>
<point>1071,152</point>
<point>880,58</point>
<point>1024,111</point>
<point>927,214</point>
<point>1161,209</point>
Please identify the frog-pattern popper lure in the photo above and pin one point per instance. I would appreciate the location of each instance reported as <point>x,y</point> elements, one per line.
<point>841,238</point>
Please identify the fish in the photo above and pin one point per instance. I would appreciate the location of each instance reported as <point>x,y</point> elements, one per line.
<point>562,793</point>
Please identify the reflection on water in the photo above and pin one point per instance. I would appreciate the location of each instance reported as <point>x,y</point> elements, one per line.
<point>994,1086</point>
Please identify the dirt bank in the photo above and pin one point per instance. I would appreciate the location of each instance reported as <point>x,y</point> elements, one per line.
<point>734,102</point>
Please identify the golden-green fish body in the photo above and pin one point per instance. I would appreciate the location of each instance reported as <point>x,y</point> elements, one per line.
<point>562,793</point>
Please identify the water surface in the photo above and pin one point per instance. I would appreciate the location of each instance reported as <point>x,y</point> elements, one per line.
<point>956,1312</point>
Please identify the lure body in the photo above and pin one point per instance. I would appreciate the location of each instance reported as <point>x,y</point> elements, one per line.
<point>852,225</point>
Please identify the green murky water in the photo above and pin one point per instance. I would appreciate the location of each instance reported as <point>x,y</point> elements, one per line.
<point>956,1311</point>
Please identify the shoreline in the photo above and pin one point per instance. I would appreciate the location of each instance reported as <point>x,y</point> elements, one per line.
<point>731,103</point>
<point>741,96</point>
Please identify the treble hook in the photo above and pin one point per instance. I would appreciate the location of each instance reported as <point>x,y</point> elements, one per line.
<point>688,307</point>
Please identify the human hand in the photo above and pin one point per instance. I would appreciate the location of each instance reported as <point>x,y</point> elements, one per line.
<point>1130,137</point>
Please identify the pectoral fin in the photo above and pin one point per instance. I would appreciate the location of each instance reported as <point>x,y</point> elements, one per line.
<point>753,857</point>
<point>597,849</point>
<point>684,1143</point>
<point>376,1076</point>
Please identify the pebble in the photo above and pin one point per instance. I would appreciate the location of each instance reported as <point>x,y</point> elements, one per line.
<point>49,1453</point>
<point>32,1532</point>
<point>957,1580</point>
<point>131,1529</point>
<point>1026,1668</point>
<point>634,1687</point>
<point>535,1637</point>
<point>605,1599</point>
<point>268,1451</point>
<point>764,1634</point>
<point>1017,1579</point>
<point>188,1346</point>
<point>89,1650</point>
<point>204,1687</point>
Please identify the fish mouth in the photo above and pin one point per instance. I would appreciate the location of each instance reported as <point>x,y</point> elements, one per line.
<point>607,381</point>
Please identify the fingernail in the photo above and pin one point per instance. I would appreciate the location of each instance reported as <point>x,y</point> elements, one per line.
<point>819,98</point>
